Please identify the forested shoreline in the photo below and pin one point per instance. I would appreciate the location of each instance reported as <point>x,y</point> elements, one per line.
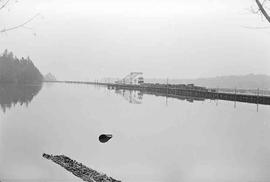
<point>19,71</point>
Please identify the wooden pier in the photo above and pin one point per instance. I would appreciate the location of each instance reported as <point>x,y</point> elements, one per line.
<point>183,90</point>
<point>196,93</point>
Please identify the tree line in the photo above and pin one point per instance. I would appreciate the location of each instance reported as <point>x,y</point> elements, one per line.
<point>14,70</point>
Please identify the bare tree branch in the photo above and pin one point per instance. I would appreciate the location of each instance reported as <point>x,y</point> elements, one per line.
<point>19,26</point>
<point>4,5</point>
<point>257,11</point>
<point>262,10</point>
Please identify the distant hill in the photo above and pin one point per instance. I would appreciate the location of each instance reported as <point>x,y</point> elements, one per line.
<point>14,70</point>
<point>49,77</point>
<point>250,81</point>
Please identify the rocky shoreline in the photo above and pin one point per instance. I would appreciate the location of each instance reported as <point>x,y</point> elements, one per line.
<point>79,170</point>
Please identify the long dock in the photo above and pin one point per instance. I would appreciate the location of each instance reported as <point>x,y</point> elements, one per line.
<point>183,90</point>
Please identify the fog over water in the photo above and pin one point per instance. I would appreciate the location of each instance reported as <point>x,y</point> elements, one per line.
<point>87,40</point>
<point>153,140</point>
<point>153,137</point>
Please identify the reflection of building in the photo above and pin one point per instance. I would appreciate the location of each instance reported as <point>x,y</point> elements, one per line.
<point>132,96</point>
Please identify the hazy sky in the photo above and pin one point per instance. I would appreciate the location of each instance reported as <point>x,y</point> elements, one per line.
<point>90,39</point>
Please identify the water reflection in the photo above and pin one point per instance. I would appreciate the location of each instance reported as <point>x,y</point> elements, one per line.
<point>136,97</point>
<point>179,97</point>
<point>11,94</point>
<point>132,96</point>
<point>210,143</point>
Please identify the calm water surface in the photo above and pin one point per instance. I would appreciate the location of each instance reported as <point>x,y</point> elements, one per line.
<point>154,139</point>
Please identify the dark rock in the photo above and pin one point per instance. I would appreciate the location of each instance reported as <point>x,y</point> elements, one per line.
<point>104,138</point>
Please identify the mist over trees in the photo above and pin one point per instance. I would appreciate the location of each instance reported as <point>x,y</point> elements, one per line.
<point>49,77</point>
<point>14,70</point>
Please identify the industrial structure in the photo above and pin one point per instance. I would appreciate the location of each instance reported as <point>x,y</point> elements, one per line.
<point>134,78</point>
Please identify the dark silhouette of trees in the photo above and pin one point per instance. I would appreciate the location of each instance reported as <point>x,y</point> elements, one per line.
<point>14,70</point>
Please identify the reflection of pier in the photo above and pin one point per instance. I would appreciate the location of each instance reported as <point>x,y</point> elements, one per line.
<point>132,96</point>
<point>186,91</point>
<point>180,97</point>
<point>136,97</point>
<point>190,92</point>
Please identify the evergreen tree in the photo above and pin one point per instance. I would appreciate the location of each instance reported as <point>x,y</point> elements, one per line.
<point>14,70</point>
